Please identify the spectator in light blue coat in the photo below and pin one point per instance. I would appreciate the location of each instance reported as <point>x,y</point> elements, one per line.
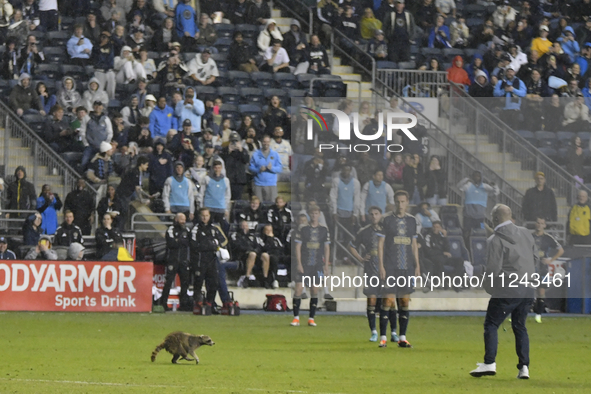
<point>265,165</point>
<point>512,88</point>
<point>79,47</point>
<point>190,108</point>
<point>163,122</point>
<point>569,44</point>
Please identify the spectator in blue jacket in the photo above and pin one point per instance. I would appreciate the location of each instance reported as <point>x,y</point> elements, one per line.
<point>79,47</point>
<point>190,108</point>
<point>440,35</point>
<point>186,24</point>
<point>570,46</point>
<point>163,122</point>
<point>265,165</point>
<point>584,59</point>
<point>48,204</point>
<point>160,167</point>
<point>32,229</point>
<point>6,254</point>
<point>513,89</point>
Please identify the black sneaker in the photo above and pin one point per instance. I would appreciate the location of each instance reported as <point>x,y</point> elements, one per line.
<point>245,283</point>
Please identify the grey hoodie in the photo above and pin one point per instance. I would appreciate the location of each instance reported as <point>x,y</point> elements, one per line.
<point>511,253</point>
<point>68,99</point>
<point>90,96</point>
<point>74,249</point>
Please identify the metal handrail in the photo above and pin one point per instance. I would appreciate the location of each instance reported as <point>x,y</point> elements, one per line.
<point>42,152</point>
<point>399,80</point>
<point>557,177</point>
<point>135,224</point>
<point>302,20</point>
<point>360,50</point>
<point>461,163</point>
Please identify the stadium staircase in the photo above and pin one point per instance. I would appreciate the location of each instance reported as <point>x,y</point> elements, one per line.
<point>21,146</point>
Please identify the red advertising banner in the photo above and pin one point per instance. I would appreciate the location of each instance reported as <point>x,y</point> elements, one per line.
<point>75,286</point>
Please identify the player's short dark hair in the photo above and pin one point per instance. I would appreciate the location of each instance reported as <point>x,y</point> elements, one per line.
<point>402,193</point>
<point>81,108</point>
<point>437,222</point>
<point>314,208</point>
<point>378,170</point>
<point>217,163</point>
<point>142,160</point>
<point>203,210</point>
<point>374,208</point>
<point>144,120</point>
<point>540,217</point>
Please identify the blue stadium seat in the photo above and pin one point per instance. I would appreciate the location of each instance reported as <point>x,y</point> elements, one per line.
<point>286,81</point>
<point>35,122</point>
<point>48,71</point>
<point>77,72</point>
<point>223,44</point>
<point>528,135</point>
<point>334,87</point>
<point>456,246</point>
<point>252,96</point>
<point>475,11</point>
<point>67,23</point>
<point>206,92</point>
<point>386,65</point>
<point>478,250</point>
<point>115,105</point>
<point>407,65</point>
<point>58,38</point>
<point>470,52</point>
<point>270,92</point>
<point>239,79</point>
<point>430,52</point>
<point>229,95</point>
<point>473,22</point>
<point>550,152</point>
<point>55,55</point>
<point>224,30</point>
<point>450,220</point>
<point>297,92</point>
<point>222,78</point>
<point>223,65</point>
<point>454,231</point>
<point>585,136</point>
<point>229,111</point>
<point>248,31</point>
<point>262,79</point>
<point>546,139</point>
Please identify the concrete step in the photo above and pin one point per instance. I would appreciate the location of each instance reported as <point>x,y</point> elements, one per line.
<point>337,70</point>
<point>471,147</point>
<point>349,76</point>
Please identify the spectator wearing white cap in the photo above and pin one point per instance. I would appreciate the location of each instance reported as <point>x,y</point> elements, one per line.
<point>149,105</point>
<point>127,68</point>
<point>542,44</point>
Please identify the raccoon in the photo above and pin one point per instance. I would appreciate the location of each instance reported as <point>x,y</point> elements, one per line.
<point>181,344</point>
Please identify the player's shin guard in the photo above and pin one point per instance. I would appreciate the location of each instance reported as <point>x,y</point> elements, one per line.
<point>297,301</point>
<point>371,317</point>
<point>384,313</point>
<point>392,318</point>
<point>313,305</point>
<point>403,316</point>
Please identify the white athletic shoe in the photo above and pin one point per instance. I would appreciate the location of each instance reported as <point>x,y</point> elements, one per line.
<point>275,284</point>
<point>240,281</point>
<point>252,277</point>
<point>523,373</point>
<point>484,370</point>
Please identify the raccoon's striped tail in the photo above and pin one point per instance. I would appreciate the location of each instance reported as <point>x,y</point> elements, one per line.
<point>155,352</point>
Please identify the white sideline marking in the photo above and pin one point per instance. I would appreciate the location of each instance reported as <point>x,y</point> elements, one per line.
<point>152,385</point>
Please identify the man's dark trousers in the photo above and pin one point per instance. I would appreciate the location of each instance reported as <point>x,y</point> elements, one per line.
<point>497,311</point>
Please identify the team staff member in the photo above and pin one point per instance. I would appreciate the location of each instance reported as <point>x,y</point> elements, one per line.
<point>546,244</point>
<point>365,248</point>
<point>68,232</point>
<point>206,239</point>
<point>398,256</point>
<point>106,236</point>
<point>511,250</point>
<point>272,254</point>
<point>312,247</point>
<point>177,257</point>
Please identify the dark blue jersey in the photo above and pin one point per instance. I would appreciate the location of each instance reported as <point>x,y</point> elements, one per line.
<point>399,233</point>
<point>312,240</point>
<point>366,242</point>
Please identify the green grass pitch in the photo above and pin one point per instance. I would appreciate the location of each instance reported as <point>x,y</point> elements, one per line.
<point>110,353</point>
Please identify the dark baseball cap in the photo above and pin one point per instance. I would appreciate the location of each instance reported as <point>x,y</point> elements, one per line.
<point>187,122</point>
<point>208,145</point>
<point>98,102</point>
<point>3,240</point>
<point>206,50</point>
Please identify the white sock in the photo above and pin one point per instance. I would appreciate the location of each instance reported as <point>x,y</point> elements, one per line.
<point>383,338</point>
<point>393,332</point>
<point>374,331</point>
<point>403,337</point>
<point>296,317</point>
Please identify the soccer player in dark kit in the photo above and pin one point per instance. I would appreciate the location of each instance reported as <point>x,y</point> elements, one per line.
<point>312,249</point>
<point>546,244</point>
<point>398,256</point>
<point>365,248</point>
